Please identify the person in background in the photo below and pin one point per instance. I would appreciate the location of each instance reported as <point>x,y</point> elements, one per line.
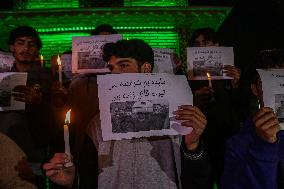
<point>218,103</point>
<point>255,156</point>
<point>104,29</point>
<point>157,160</point>
<point>32,129</point>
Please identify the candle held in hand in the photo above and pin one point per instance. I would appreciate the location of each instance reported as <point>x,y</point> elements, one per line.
<point>66,138</point>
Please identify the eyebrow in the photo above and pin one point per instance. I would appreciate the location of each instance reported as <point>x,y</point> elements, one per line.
<point>122,61</point>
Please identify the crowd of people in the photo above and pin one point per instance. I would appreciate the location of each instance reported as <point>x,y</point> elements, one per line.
<point>232,145</point>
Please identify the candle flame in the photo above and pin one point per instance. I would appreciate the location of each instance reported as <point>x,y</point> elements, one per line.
<point>208,75</point>
<point>58,60</point>
<point>67,117</point>
<point>41,58</point>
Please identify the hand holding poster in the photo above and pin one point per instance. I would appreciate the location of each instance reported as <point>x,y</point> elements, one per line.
<point>202,60</point>
<point>8,81</point>
<point>87,53</point>
<point>141,105</point>
<point>163,62</point>
<point>6,61</point>
<point>273,91</point>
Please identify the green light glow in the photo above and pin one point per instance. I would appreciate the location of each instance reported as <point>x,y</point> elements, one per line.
<point>58,43</point>
<point>155,3</point>
<point>45,30</point>
<point>51,4</point>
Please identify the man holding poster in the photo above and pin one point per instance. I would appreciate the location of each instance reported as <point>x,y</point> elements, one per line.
<point>30,127</point>
<point>255,155</point>
<point>147,162</point>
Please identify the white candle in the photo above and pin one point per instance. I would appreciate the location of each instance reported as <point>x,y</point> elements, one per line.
<point>66,138</point>
<point>59,70</point>
<point>209,79</point>
<point>41,61</point>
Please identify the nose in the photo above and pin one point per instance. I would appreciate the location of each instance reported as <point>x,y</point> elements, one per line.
<point>26,46</point>
<point>115,70</point>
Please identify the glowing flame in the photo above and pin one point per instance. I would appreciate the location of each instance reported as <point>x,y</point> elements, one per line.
<point>208,75</point>
<point>58,60</point>
<point>41,58</point>
<point>67,117</point>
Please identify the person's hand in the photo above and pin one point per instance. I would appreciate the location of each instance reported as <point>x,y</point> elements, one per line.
<point>203,95</point>
<point>233,72</point>
<point>25,172</point>
<point>59,95</point>
<point>203,91</point>
<point>30,95</point>
<point>266,124</point>
<point>191,116</point>
<point>57,172</point>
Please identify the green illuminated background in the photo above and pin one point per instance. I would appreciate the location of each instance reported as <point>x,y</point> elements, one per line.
<point>161,23</point>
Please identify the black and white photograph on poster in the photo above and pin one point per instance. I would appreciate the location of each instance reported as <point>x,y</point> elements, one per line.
<point>8,81</point>
<point>202,67</point>
<point>273,91</point>
<point>279,107</point>
<point>135,116</point>
<point>6,61</point>
<point>87,53</point>
<point>209,60</point>
<point>164,61</point>
<point>5,93</point>
<point>135,105</point>
<point>86,60</point>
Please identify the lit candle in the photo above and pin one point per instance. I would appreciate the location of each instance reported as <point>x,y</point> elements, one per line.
<point>66,138</point>
<point>41,61</point>
<point>209,79</point>
<point>59,70</point>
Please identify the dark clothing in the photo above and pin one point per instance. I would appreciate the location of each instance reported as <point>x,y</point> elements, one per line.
<point>251,162</point>
<point>33,128</point>
<point>222,121</point>
<point>84,102</point>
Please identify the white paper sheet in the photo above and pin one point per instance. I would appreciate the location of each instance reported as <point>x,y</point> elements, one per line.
<point>6,61</point>
<point>8,81</point>
<point>66,61</point>
<point>273,91</point>
<point>139,105</point>
<point>209,59</point>
<point>163,62</point>
<point>87,53</point>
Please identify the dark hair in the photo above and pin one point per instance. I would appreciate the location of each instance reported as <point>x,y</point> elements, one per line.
<point>24,31</point>
<point>103,28</point>
<point>133,48</point>
<point>265,59</point>
<point>208,33</point>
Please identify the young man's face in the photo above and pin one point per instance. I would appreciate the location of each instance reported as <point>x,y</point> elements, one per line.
<point>123,65</point>
<point>25,50</point>
<point>200,41</point>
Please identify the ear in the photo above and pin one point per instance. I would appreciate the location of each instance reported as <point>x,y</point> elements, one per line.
<point>11,47</point>
<point>254,89</point>
<point>146,68</point>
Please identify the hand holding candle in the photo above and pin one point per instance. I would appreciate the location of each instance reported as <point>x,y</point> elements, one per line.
<point>209,79</point>
<point>66,138</point>
<point>59,70</point>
